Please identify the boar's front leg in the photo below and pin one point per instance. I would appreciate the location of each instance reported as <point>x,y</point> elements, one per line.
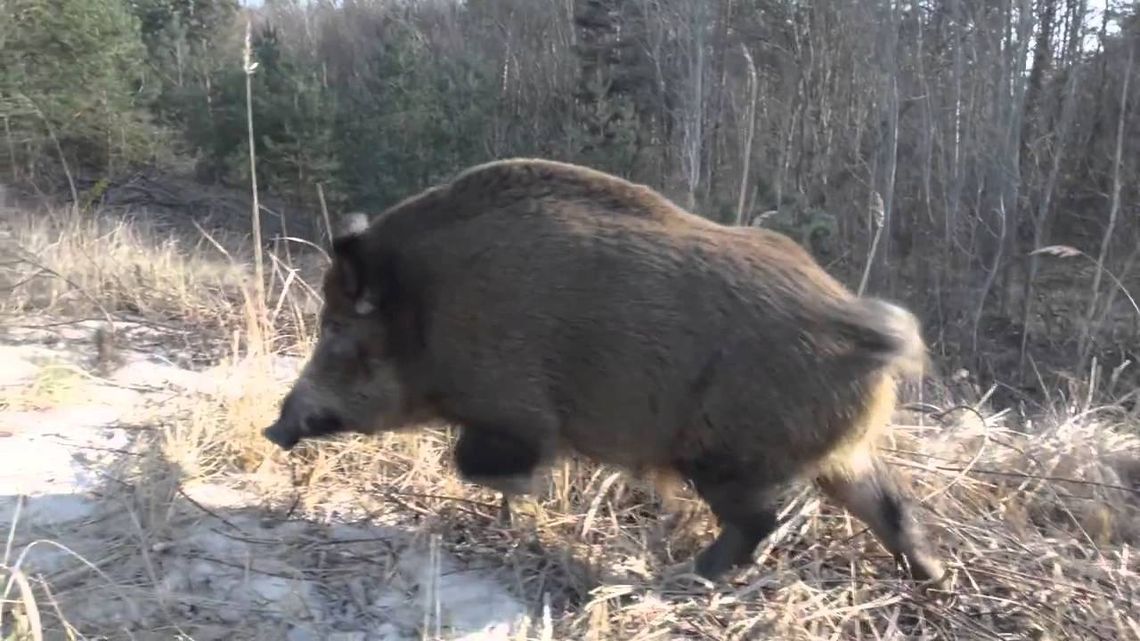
<point>499,460</point>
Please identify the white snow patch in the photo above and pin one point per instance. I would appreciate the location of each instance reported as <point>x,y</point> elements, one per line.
<point>50,509</point>
<point>227,570</point>
<point>472,604</point>
<point>468,601</point>
<point>140,370</point>
<point>219,496</point>
<point>15,366</point>
<point>50,452</point>
<point>232,378</point>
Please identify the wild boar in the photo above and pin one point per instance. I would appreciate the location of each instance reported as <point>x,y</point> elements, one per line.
<point>546,308</point>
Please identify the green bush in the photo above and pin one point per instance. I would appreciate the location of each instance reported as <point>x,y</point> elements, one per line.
<point>73,69</point>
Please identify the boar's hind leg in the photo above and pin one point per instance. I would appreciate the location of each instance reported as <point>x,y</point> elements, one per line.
<point>871,495</point>
<point>500,461</point>
<point>747,516</point>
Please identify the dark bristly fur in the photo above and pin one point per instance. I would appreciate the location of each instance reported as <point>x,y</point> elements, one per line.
<point>545,308</point>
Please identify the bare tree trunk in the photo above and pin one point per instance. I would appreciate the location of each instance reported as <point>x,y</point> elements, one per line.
<point>925,265</point>
<point>1030,126</point>
<point>1041,218</point>
<point>892,169</point>
<point>746,154</point>
<point>786,148</point>
<point>957,180</point>
<point>694,116</point>
<point>715,116</point>
<point>11,150</point>
<point>1113,213</point>
<point>1011,92</point>
<point>888,156</point>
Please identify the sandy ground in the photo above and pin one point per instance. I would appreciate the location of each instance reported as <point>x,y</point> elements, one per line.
<point>204,560</point>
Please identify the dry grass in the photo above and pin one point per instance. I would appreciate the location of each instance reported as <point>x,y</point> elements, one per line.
<point>52,386</point>
<point>1039,527</point>
<point>83,264</point>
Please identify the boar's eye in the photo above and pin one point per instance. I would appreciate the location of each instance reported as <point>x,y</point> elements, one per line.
<point>364,306</point>
<point>347,347</point>
<point>322,424</point>
<point>342,346</point>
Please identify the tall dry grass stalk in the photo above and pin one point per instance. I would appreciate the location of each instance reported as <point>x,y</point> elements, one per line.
<point>257,304</point>
<point>877,218</point>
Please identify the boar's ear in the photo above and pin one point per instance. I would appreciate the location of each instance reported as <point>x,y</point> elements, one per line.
<point>348,256</point>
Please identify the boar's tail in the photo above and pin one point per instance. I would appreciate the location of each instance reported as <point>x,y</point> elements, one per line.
<point>887,333</point>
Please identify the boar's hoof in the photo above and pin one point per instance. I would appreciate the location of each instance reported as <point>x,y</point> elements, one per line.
<point>506,517</point>
<point>728,552</point>
<point>928,572</point>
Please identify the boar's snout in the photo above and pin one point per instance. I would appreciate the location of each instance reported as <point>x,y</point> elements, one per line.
<point>286,433</point>
<point>298,421</point>
<point>288,429</point>
<point>283,434</point>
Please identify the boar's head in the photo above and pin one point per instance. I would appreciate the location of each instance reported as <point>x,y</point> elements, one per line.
<point>350,382</point>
